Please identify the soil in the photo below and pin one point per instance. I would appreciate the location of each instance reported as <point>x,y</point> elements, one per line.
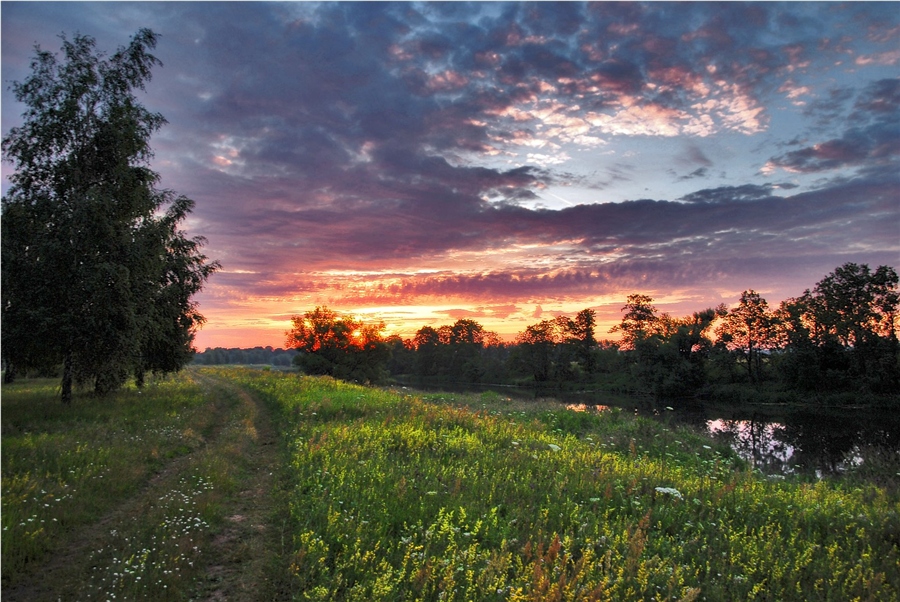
<point>245,550</point>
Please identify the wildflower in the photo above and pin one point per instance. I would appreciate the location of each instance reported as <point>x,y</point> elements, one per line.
<point>670,491</point>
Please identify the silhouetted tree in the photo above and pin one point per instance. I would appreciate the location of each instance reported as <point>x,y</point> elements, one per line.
<point>453,351</point>
<point>580,338</point>
<point>537,349</point>
<point>640,320</point>
<point>850,319</point>
<point>402,355</point>
<point>339,346</point>
<point>465,345</point>
<point>427,344</point>
<point>748,329</point>
<point>801,363</point>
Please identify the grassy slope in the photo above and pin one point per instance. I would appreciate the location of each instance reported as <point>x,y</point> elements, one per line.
<point>397,497</point>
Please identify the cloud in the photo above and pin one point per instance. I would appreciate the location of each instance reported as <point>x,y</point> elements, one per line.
<point>700,172</point>
<point>381,152</point>
<point>877,138</point>
<point>730,194</point>
<point>656,242</point>
<point>697,156</point>
<point>694,155</point>
<point>832,107</point>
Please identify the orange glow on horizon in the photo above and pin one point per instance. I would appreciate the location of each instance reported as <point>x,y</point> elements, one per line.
<point>405,303</point>
<point>229,331</point>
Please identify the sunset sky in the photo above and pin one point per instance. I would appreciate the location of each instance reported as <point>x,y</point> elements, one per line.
<point>505,162</point>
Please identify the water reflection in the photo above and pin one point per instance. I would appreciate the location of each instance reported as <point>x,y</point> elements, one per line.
<point>775,440</point>
<point>819,443</point>
<point>760,443</point>
<point>782,441</point>
<point>585,407</point>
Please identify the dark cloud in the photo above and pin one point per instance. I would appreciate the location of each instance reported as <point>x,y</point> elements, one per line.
<point>697,156</point>
<point>730,194</point>
<point>876,138</point>
<point>880,98</point>
<point>700,172</point>
<point>833,106</point>
<point>332,137</point>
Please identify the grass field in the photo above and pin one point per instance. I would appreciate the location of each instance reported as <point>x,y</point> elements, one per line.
<point>270,486</point>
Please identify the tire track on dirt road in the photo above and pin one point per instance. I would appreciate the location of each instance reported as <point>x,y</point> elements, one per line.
<point>239,555</point>
<point>247,549</point>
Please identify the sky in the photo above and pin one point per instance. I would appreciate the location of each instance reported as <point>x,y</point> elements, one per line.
<point>418,163</point>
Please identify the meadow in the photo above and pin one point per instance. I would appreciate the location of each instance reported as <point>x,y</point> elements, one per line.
<point>125,497</point>
<point>388,495</point>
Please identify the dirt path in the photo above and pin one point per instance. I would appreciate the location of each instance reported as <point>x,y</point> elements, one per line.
<point>240,557</point>
<point>245,550</point>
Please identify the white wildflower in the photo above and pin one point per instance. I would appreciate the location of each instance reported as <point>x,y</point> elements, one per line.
<point>670,491</point>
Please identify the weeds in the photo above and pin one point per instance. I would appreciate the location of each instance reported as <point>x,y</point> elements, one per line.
<point>63,467</point>
<point>390,496</point>
<point>397,498</point>
<point>158,466</point>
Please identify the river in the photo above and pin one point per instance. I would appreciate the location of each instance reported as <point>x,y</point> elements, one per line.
<point>774,439</point>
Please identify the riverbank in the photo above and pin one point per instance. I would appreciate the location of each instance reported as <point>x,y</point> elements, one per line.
<point>851,443</point>
<point>380,495</point>
<point>398,495</point>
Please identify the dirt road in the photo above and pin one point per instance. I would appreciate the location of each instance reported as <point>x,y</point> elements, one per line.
<point>240,555</point>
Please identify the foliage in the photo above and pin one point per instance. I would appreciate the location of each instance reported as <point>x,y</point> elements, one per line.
<point>403,498</point>
<point>747,329</point>
<point>557,349</point>
<point>64,467</point>
<point>850,319</point>
<point>218,356</point>
<point>816,348</point>
<point>841,337</point>
<point>96,276</point>
<point>667,355</point>
<point>463,351</point>
<point>541,351</point>
<point>339,346</point>
<point>639,322</point>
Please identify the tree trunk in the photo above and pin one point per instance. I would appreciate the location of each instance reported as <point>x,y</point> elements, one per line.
<point>67,380</point>
<point>750,363</point>
<point>10,375</point>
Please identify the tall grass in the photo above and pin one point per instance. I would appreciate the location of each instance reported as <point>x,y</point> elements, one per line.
<point>63,467</point>
<point>128,488</point>
<point>397,497</point>
<point>391,496</point>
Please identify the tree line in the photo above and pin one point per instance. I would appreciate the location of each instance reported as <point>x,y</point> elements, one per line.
<point>840,336</point>
<point>255,356</point>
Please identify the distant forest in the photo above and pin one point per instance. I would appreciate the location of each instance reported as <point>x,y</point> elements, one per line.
<point>837,342</point>
<point>260,356</point>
